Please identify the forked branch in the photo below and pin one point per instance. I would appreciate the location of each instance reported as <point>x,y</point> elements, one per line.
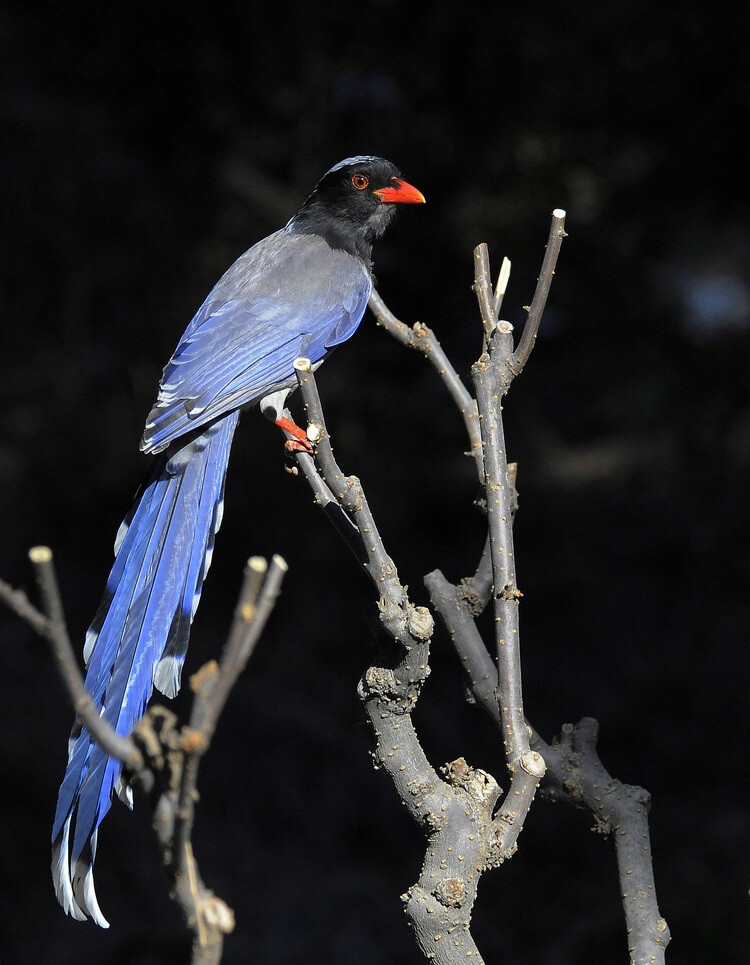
<point>159,757</point>
<point>456,811</point>
<point>422,339</point>
<point>574,771</point>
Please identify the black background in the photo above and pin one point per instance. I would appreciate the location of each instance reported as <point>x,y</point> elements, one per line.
<point>143,148</point>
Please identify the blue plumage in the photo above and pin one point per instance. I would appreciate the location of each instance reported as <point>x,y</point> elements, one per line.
<point>301,291</point>
<point>289,295</point>
<point>140,637</point>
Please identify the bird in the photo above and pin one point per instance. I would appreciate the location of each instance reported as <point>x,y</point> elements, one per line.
<point>299,292</point>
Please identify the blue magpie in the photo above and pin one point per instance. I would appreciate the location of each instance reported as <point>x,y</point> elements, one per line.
<point>299,292</point>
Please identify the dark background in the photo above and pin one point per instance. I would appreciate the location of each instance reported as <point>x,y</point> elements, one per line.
<point>143,148</point>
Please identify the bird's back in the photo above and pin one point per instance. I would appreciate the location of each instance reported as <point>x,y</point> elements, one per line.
<point>289,295</point>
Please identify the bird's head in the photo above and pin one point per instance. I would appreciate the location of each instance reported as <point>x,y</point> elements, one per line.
<point>354,202</point>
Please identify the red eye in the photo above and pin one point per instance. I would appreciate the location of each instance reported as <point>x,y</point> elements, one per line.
<point>360,182</point>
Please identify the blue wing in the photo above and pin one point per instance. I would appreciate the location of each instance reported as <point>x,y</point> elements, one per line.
<point>290,295</point>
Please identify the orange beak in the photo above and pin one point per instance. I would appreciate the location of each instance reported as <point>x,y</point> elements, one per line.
<point>402,193</point>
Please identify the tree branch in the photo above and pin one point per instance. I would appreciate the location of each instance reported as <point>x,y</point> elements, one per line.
<point>422,339</point>
<point>51,627</point>
<point>159,757</point>
<point>348,492</point>
<point>500,524</point>
<point>325,499</point>
<point>575,772</point>
<point>483,291</point>
<point>528,338</point>
<point>382,689</point>
<point>456,813</point>
<point>574,775</point>
<point>260,589</point>
<point>580,778</point>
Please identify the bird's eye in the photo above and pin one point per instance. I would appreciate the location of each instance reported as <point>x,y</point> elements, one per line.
<point>360,182</point>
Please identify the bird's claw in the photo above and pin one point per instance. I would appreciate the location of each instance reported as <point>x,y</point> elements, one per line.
<point>299,442</point>
<point>299,445</point>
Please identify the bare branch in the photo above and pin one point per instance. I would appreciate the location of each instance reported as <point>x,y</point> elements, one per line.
<point>528,338</point>
<point>456,813</point>
<point>348,491</point>
<point>422,339</point>
<point>483,291</point>
<point>576,775</point>
<point>487,379</point>
<point>492,377</point>
<point>329,504</point>
<point>256,601</point>
<point>18,603</point>
<point>575,772</point>
<point>209,916</point>
<point>621,810</point>
<point>476,590</point>
<point>161,759</point>
<point>52,628</point>
<point>457,615</point>
<point>212,685</point>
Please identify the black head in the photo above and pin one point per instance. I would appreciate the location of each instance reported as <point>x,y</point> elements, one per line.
<point>353,204</point>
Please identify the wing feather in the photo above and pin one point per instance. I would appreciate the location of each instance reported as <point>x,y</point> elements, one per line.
<point>289,295</point>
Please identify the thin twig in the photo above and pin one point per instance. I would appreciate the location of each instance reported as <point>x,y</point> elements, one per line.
<point>168,765</point>
<point>492,375</point>
<point>422,339</point>
<point>348,492</point>
<point>52,628</point>
<point>490,378</point>
<point>256,601</point>
<point>260,588</point>
<point>324,498</point>
<point>483,291</point>
<point>457,615</point>
<point>526,344</point>
<point>209,915</point>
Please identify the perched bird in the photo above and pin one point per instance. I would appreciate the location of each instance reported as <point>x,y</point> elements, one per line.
<point>299,292</point>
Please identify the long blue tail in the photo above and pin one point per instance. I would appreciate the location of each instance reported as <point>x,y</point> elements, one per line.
<point>138,638</point>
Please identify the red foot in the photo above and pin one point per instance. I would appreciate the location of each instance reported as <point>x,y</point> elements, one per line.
<point>300,443</point>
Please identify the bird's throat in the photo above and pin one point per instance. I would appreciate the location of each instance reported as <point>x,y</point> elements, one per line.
<point>342,233</point>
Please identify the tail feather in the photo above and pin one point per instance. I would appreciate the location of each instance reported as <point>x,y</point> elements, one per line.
<point>141,613</point>
<point>129,578</point>
<point>139,638</point>
<point>133,528</point>
<point>169,669</point>
<point>166,672</point>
